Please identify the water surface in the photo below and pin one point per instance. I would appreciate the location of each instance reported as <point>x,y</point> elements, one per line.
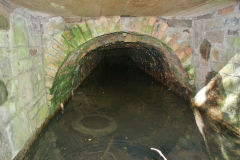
<point>146,114</point>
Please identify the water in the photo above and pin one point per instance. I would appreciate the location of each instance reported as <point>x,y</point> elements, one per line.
<point>144,114</point>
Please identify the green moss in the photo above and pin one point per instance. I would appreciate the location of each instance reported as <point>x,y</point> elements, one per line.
<point>42,114</point>
<point>190,71</point>
<point>236,42</point>
<point>148,29</point>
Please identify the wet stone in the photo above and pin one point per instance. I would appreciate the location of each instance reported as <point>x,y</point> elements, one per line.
<point>205,49</point>
<point>179,23</point>
<point>233,32</point>
<point>3,93</point>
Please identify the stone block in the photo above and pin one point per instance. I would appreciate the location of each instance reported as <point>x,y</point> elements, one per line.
<point>19,53</point>
<point>12,87</point>
<point>20,66</point>
<point>42,114</point>
<point>205,16</point>
<point>213,23</point>
<point>179,23</point>
<point>35,40</point>
<point>5,68</point>
<point>4,41</point>
<point>4,24</point>
<point>231,21</point>
<point>25,90</point>
<point>233,32</point>
<point>54,25</point>
<point>19,132</point>
<point>4,52</point>
<point>37,61</point>
<point>19,32</point>
<point>215,36</point>
<point>236,42</point>
<point>5,145</point>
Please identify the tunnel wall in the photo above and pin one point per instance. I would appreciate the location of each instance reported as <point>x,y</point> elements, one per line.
<point>23,108</point>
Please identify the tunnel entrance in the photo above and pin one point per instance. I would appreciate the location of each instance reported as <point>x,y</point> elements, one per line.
<point>119,112</point>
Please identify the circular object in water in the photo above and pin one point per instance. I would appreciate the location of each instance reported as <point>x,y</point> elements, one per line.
<point>95,125</point>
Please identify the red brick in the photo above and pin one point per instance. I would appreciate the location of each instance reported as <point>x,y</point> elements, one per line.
<point>182,48</point>
<point>189,51</point>
<point>226,10</point>
<point>173,40</point>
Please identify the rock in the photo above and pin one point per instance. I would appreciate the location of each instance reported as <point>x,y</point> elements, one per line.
<point>205,49</point>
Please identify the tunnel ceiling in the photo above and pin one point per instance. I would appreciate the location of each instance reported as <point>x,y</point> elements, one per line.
<point>94,8</point>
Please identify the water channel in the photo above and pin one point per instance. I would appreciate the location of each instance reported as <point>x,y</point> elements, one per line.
<point>119,113</point>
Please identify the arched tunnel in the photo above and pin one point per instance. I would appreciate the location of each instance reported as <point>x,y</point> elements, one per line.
<point>156,59</point>
<point>119,79</point>
<point>124,97</point>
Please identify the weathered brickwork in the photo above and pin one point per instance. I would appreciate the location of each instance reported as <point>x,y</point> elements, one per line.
<point>22,72</point>
<point>67,47</point>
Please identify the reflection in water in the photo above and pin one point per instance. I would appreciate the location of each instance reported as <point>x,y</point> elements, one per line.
<point>146,115</point>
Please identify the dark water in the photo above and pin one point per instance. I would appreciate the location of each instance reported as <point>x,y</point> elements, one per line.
<point>142,113</point>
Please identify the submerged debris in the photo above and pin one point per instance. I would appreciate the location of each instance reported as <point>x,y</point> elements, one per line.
<point>159,152</point>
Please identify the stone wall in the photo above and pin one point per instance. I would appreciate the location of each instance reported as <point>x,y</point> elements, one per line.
<point>217,64</point>
<point>22,72</point>
<point>216,43</point>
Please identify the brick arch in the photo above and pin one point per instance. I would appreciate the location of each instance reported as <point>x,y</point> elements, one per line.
<point>67,48</point>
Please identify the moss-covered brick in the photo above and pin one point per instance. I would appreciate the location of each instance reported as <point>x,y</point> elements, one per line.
<point>148,29</point>
<point>85,31</point>
<point>100,31</point>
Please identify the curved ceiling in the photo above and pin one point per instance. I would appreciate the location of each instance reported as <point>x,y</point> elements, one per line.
<point>94,8</point>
